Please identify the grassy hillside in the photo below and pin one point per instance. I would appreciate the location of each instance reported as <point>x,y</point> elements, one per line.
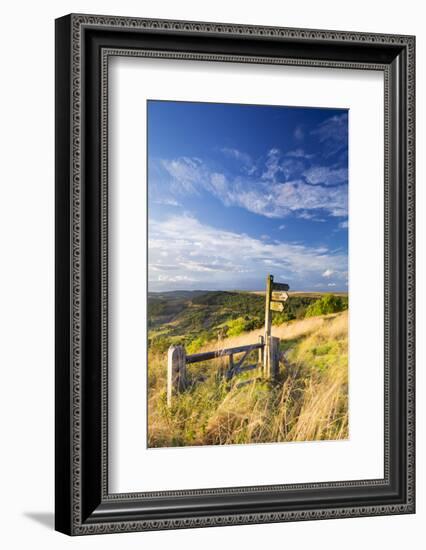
<point>309,401</point>
<point>195,318</point>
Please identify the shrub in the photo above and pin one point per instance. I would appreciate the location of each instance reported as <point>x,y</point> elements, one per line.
<point>282,317</point>
<point>195,344</point>
<point>327,304</point>
<point>159,344</point>
<point>236,326</point>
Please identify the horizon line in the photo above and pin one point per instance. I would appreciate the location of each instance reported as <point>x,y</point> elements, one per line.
<point>239,290</point>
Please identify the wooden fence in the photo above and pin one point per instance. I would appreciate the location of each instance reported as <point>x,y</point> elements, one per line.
<point>177,380</point>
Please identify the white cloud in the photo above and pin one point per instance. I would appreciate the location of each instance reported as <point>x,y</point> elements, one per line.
<point>280,199</point>
<point>326,176</point>
<point>167,201</point>
<point>331,284</point>
<point>309,216</point>
<point>298,195</point>
<point>269,196</point>
<point>205,257</point>
<point>328,273</point>
<point>273,166</point>
<point>237,154</point>
<point>185,173</point>
<point>335,127</point>
<point>344,224</point>
<point>219,183</point>
<point>299,153</point>
<point>175,279</point>
<point>333,133</point>
<point>243,158</point>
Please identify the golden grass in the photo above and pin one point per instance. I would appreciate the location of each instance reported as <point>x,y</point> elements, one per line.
<point>308,402</point>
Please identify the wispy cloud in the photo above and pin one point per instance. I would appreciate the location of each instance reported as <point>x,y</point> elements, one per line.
<point>185,173</point>
<point>326,175</point>
<point>281,199</point>
<point>184,253</point>
<point>310,216</point>
<point>167,201</point>
<point>234,201</point>
<point>266,197</point>
<point>167,280</point>
<point>298,195</point>
<point>299,153</point>
<point>243,158</point>
<point>275,185</point>
<point>332,133</point>
<point>272,165</point>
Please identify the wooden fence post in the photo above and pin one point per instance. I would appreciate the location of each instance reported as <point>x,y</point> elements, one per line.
<point>275,358</point>
<point>261,354</point>
<point>176,371</point>
<point>230,369</point>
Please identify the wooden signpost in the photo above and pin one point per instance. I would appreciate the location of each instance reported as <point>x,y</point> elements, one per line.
<point>279,286</point>
<point>277,306</point>
<point>276,296</point>
<point>279,296</point>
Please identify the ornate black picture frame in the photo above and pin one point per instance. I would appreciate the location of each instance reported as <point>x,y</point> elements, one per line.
<point>84,44</point>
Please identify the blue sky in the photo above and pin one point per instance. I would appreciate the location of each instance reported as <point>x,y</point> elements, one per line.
<point>239,191</point>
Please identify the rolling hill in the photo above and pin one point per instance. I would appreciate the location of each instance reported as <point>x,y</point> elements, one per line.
<point>194,318</point>
<point>308,401</point>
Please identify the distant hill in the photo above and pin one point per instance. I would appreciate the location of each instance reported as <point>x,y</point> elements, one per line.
<point>195,317</point>
<point>176,294</point>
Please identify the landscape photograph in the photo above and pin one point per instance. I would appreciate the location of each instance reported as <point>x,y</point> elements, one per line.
<point>247,315</point>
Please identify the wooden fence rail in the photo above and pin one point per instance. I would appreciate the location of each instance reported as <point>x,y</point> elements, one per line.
<point>177,360</point>
<point>206,355</point>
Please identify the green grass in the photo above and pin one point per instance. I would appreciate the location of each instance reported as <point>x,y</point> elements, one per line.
<point>309,401</point>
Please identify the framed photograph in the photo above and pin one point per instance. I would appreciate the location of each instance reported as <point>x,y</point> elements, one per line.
<point>234,274</point>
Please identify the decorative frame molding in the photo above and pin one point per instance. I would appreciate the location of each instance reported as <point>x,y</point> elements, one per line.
<point>84,43</point>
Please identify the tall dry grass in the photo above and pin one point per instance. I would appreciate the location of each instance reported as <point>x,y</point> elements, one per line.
<point>308,402</point>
